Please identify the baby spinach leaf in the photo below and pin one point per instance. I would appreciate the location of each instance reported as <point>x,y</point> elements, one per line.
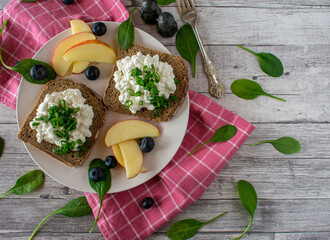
<point>165,2</point>
<point>187,45</point>
<point>125,34</point>
<point>249,199</point>
<point>23,67</point>
<point>75,208</point>
<point>2,144</point>
<point>27,183</point>
<point>101,187</point>
<point>187,228</point>
<point>29,0</point>
<point>268,63</point>
<point>222,134</point>
<point>248,89</point>
<point>286,145</point>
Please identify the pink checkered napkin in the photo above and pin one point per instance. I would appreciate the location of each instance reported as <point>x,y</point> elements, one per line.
<point>180,183</point>
<point>30,25</point>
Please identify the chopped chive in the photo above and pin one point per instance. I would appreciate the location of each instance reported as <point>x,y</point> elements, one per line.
<point>128,103</point>
<point>140,102</point>
<point>131,92</point>
<point>176,81</point>
<point>174,98</point>
<point>34,124</point>
<point>79,141</point>
<point>138,93</point>
<point>39,119</point>
<point>88,143</point>
<point>75,110</point>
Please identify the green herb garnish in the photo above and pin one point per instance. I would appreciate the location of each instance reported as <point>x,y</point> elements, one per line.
<point>248,89</point>
<point>140,102</point>
<point>27,183</point>
<point>176,81</point>
<point>138,93</point>
<point>75,208</point>
<point>128,103</point>
<point>131,92</point>
<point>249,199</point>
<point>174,98</point>
<point>126,33</point>
<point>222,134</point>
<point>187,45</point>
<point>268,63</point>
<point>286,145</point>
<point>187,228</point>
<point>101,187</point>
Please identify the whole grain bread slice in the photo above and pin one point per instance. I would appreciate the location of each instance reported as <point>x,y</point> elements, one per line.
<point>111,95</point>
<point>28,135</point>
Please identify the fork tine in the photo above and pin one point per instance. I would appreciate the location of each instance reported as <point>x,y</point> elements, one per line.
<point>187,4</point>
<point>181,5</point>
<point>192,4</point>
<point>178,6</point>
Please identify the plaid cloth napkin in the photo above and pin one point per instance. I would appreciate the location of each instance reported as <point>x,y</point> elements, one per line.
<point>183,180</point>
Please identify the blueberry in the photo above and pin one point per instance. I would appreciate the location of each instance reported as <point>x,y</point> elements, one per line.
<point>38,72</point>
<point>92,73</point>
<point>96,174</point>
<point>67,2</point>
<point>166,25</point>
<point>99,29</point>
<point>110,162</point>
<point>147,144</point>
<point>147,202</point>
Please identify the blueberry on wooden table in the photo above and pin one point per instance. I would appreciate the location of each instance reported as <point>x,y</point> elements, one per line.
<point>99,29</point>
<point>147,202</point>
<point>67,2</point>
<point>92,73</point>
<point>150,11</point>
<point>166,25</point>
<point>147,144</point>
<point>110,162</point>
<point>96,174</point>
<point>38,72</point>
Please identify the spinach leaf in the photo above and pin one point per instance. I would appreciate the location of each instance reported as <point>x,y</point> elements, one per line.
<point>2,144</point>
<point>101,187</point>
<point>222,134</point>
<point>249,199</point>
<point>27,183</point>
<point>126,33</point>
<point>75,208</point>
<point>286,145</point>
<point>29,0</point>
<point>268,63</point>
<point>23,67</point>
<point>187,45</point>
<point>165,2</point>
<point>248,89</point>
<point>187,228</point>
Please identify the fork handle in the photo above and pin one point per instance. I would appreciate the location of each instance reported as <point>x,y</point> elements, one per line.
<point>216,88</point>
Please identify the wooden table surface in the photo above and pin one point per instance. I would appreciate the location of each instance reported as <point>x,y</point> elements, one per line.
<point>293,190</point>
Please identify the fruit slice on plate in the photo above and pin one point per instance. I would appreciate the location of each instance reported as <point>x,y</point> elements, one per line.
<point>133,158</point>
<point>92,51</point>
<point>118,155</point>
<point>78,26</point>
<point>61,66</point>
<point>128,130</point>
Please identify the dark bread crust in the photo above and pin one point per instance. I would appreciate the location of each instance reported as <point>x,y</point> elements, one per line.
<point>111,95</point>
<point>28,135</point>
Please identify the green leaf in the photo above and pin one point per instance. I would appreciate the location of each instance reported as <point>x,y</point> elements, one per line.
<point>286,145</point>
<point>187,228</point>
<point>187,45</point>
<point>27,183</point>
<point>249,199</point>
<point>269,63</point>
<point>126,33</point>
<point>75,208</point>
<point>2,144</point>
<point>248,89</point>
<point>165,2</point>
<point>222,134</point>
<point>101,187</point>
<point>29,0</point>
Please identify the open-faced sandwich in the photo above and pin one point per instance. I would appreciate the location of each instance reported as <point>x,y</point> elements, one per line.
<point>147,83</point>
<point>65,121</point>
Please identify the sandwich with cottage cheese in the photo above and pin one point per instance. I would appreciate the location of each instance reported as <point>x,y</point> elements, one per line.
<point>65,121</point>
<point>147,83</point>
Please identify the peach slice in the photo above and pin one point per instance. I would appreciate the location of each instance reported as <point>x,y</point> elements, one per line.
<point>61,66</point>
<point>133,158</point>
<point>92,51</point>
<point>128,130</point>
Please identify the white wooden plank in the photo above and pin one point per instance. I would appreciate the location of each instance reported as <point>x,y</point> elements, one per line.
<point>52,236</point>
<point>303,236</point>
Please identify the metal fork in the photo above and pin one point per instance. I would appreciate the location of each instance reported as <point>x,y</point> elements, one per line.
<point>188,13</point>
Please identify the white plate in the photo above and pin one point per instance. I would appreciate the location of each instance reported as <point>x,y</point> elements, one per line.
<point>172,132</point>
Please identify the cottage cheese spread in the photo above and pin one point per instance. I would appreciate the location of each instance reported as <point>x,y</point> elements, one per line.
<point>84,117</point>
<point>124,80</point>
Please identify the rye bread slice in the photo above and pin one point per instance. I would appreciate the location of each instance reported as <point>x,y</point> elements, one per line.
<point>28,135</point>
<point>111,95</point>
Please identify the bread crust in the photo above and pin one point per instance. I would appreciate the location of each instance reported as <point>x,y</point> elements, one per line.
<point>111,95</point>
<point>28,135</point>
